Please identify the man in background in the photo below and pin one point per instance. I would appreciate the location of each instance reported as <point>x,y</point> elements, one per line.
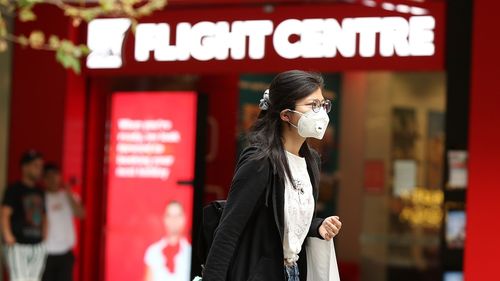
<point>23,221</point>
<point>170,258</point>
<point>62,205</point>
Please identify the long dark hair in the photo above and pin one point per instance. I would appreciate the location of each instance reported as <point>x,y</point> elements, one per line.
<point>284,92</point>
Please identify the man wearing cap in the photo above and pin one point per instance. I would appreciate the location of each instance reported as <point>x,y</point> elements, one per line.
<point>23,222</point>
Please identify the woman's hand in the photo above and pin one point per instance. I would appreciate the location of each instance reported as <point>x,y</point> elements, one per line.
<point>330,227</point>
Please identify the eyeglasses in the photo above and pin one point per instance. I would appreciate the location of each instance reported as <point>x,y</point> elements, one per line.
<point>316,105</point>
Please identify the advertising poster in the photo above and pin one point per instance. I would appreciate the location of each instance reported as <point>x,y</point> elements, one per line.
<point>453,276</point>
<point>455,229</point>
<point>405,177</point>
<point>458,174</point>
<point>151,160</point>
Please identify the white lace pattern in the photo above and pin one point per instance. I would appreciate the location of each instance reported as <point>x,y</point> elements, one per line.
<point>299,208</point>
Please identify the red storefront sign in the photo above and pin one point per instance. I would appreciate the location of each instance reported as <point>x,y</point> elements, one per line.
<point>323,37</point>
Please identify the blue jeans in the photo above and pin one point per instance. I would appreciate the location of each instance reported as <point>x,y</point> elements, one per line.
<point>292,273</point>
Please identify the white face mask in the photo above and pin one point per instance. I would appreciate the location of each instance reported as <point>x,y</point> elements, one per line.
<point>312,124</point>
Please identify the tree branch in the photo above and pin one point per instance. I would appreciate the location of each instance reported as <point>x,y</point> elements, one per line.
<point>67,53</point>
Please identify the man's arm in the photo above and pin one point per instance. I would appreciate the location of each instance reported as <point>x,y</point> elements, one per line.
<point>76,205</point>
<point>45,228</point>
<point>6,213</point>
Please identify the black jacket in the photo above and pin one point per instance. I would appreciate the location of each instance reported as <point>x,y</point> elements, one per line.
<point>248,245</point>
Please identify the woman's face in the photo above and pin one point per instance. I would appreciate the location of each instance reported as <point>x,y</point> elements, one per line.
<point>304,105</point>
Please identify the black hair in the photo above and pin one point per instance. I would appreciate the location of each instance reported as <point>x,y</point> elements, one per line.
<point>29,156</point>
<point>284,91</point>
<point>51,168</point>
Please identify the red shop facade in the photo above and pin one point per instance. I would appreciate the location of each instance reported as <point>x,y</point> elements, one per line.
<point>200,50</point>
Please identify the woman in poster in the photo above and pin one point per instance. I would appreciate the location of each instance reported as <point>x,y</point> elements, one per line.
<point>169,259</point>
<point>270,209</point>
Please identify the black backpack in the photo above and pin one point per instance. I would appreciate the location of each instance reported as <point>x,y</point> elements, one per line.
<point>211,218</point>
<point>212,214</point>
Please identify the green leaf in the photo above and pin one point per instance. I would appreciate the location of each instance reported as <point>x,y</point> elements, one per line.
<point>84,49</point>
<point>36,39</point>
<point>23,40</point>
<point>68,61</point>
<point>27,3</point>
<point>89,15</point>
<point>54,41</point>
<point>3,27</point>
<point>158,4</point>
<point>26,14</point>
<point>67,46</point>
<point>60,56</point>
<point>75,66</point>
<point>24,3</point>
<point>71,12</point>
<point>77,53</point>
<point>106,5</point>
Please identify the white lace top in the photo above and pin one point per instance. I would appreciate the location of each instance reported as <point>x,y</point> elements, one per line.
<point>299,208</point>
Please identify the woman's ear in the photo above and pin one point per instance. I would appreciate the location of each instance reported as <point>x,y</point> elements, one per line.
<point>284,115</point>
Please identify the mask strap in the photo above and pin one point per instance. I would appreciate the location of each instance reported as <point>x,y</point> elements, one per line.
<point>295,126</point>
<point>294,111</point>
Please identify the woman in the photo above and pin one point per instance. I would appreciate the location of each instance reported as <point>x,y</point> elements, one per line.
<point>267,216</point>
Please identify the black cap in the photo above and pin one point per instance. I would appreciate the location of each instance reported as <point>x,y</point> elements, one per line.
<point>30,156</point>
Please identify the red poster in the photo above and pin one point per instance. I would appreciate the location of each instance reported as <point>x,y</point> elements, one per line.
<point>150,196</point>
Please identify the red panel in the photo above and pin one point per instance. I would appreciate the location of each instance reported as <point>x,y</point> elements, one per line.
<point>73,139</point>
<point>272,61</point>
<point>223,95</point>
<point>482,244</point>
<point>38,92</point>
<point>93,181</point>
